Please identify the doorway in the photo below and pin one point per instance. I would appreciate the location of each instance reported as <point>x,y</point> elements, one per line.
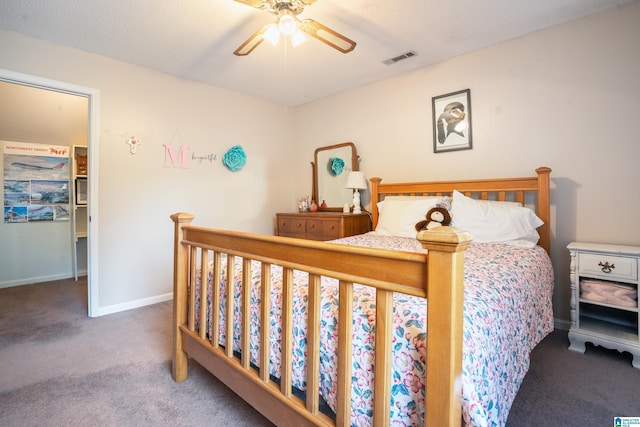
<point>92,96</point>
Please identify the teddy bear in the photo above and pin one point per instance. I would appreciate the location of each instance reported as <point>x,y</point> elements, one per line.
<point>436,217</point>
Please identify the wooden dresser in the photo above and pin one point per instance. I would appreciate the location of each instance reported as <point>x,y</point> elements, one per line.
<point>322,225</point>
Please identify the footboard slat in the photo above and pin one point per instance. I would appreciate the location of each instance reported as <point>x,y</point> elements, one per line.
<point>204,290</point>
<point>313,345</point>
<point>246,313</point>
<point>345,340</point>
<point>287,331</point>
<point>230,302</point>
<point>382,378</point>
<point>265,321</point>
<point>192,287</point>
<point>215,301</point>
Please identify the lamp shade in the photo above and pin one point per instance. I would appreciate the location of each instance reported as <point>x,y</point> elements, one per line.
<point>356,181</point>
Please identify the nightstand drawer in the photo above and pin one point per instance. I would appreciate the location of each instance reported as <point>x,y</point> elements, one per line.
<point>608,266</point>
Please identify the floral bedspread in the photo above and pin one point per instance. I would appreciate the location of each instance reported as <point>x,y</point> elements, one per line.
<point>507,311</point>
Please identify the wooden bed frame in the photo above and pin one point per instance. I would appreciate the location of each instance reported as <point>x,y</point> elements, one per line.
<point>437,276</point>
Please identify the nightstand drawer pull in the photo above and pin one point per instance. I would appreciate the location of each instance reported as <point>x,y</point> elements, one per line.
<point>606,267</point>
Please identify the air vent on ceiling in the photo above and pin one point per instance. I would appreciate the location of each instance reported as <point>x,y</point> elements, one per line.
<point>399,58</point>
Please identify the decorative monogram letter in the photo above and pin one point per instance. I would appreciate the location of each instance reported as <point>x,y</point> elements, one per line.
<point>169,153</point>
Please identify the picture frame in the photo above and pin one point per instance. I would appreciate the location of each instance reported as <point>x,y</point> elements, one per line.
<point>451,116</point>
<point>81,191</point>
<point>81,164</point>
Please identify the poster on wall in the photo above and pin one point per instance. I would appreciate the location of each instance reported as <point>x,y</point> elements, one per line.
<point>36,182</point>
<point>452,121</point>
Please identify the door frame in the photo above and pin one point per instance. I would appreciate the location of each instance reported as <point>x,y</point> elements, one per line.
<point>93,96</point>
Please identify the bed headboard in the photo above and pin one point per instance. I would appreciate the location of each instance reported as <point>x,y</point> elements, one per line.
<point>515,189</point>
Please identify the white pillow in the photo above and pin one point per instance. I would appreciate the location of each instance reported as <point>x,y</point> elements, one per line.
<point>443,201</point>
<point>501,202</point>
<point>398,217</point>
<point>495,222</point>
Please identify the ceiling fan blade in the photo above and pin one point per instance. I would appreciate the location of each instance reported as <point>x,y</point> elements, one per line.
<point>252,42</point>
<point>327,35</point>
<point>258,4</point>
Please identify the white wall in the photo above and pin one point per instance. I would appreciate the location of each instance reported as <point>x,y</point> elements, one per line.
<point>136,193</point>
<point>567,97</point>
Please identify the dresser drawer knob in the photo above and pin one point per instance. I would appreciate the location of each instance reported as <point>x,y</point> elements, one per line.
<point>606,267</point>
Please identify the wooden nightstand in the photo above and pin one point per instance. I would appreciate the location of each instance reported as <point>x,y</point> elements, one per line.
<point>322,225</point>
<point>595,316</point>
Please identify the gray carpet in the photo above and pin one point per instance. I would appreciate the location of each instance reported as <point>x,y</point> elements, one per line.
<point>565,388</point>
<point>60,368</point>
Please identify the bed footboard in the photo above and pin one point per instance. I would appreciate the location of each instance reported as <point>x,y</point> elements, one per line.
<point>437,276</point>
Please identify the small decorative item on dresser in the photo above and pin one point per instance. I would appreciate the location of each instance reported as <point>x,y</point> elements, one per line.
<point>313,206</point>
<point>303,204</point>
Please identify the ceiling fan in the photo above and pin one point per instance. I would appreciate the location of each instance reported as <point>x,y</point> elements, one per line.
<point>288,24</point>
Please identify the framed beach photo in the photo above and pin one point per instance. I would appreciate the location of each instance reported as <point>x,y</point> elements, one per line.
<point>452,121</point>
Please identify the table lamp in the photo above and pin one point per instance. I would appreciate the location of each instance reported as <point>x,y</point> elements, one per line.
<point>356,181</point>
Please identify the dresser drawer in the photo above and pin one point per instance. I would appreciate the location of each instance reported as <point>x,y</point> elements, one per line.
<point>608,266</point>
<point>289,225</point>
<point>326,228</point>
<point>321,225</point>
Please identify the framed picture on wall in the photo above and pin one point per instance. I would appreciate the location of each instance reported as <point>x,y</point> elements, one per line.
<point>452,121</point>
<point>81,191</point>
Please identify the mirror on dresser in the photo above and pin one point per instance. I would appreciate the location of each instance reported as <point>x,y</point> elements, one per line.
<point>331,166</point>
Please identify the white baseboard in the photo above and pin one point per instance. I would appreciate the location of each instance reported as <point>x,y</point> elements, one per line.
<point>116,308</point>
<point>561,324</point>
<point>32,280</point>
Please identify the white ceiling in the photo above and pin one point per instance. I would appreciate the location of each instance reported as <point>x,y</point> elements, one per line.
<point>195,38</point>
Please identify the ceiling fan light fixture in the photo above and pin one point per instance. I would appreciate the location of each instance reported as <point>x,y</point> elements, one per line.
<point>272,35</point>
<point>297,38</point>
<point>287,23</point>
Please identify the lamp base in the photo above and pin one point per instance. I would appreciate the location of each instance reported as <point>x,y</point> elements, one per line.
<point>356,202</point>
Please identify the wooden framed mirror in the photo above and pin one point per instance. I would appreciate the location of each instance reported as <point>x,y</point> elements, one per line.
<point>331,166</point>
